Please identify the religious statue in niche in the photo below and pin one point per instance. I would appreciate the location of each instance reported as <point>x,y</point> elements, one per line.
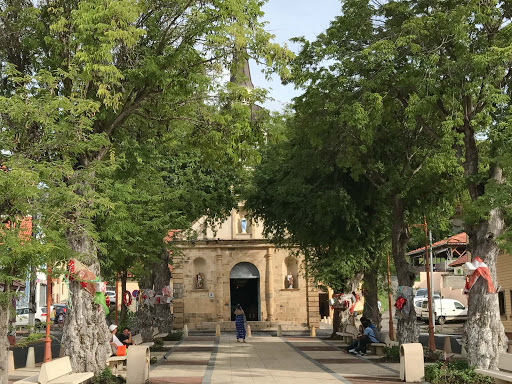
<point>289,280</point>
<point>199,281</point>
<point>243,224</point>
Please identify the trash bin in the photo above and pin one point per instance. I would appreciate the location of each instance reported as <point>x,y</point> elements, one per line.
<point>137,364</point>
<point>412,365</point>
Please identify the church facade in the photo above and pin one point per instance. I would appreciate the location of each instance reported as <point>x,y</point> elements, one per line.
<point>237,265</point>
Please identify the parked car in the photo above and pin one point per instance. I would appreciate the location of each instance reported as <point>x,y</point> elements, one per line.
<point>22,315</point>
<point>445,310</point>
<point>418,300</point>
<point>112,296</point>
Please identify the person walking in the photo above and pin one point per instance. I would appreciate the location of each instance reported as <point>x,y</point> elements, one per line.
<point>240,323</point>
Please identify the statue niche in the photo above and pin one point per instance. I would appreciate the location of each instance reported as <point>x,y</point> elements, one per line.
<point>199,273</point>
<point>200,281</point>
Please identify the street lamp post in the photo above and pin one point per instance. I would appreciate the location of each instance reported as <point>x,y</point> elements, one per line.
<point>47,339</point>
<point>391,329</point>
<point>431,340</point>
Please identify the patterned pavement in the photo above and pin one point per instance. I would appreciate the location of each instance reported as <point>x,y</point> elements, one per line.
<point>268,360</point>
<point>264,360</point>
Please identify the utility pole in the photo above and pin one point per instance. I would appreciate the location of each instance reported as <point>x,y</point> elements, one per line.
<point>432,279</point>
<point>117,295</point>
<point>431,340</point>
<point>47,339</point>
<point>391,329</point>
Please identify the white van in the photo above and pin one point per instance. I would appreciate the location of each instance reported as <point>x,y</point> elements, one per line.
<point>444,310</point>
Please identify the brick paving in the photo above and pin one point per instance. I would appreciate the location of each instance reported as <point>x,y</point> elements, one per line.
<point>264,360</point>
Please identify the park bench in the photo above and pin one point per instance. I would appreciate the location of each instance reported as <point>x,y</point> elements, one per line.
<point>57,371</point>
<point>504,372</point>
<point>157,334</point>
<point>137,340</point>
<point>350,333</point>
<point>116,363</point>
<point>378,348</point>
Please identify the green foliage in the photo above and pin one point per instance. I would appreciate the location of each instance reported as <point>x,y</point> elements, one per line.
<point>174,336</point>
<point>30,339</point>
<point>458,372</point>
<point>392,352</point>
<point>116,117</point>
<point>128,321</point>
<point>107,377</point>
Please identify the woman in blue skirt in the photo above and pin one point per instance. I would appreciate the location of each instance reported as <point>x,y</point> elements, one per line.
<point>240,323</point>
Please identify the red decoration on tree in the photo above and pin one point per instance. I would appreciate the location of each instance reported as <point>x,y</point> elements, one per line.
<point>400,302</point>
<point>71,269</point>
<point>127,299</point>
<point>107,300</point>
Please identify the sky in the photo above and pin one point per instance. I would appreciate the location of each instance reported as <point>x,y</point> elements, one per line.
<point>287,19</point>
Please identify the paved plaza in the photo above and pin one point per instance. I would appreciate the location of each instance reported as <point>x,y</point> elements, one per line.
<point>267,360</point>
<point>263,359</point>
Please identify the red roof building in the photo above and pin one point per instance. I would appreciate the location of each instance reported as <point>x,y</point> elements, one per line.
<point>447,253</point>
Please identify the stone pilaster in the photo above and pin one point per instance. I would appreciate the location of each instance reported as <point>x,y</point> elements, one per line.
<point>218,287</point>
<point>269,286</point>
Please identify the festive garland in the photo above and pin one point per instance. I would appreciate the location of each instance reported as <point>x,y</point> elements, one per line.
<point>127,298</point>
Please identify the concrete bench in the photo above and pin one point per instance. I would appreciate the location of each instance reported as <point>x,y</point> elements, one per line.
<point>137,365</point>
<point>350,333</point>
<point>378,348</point>
<point>116,363</point>
<point>137,340</point>
<point>157,334</point>
<point>412,365</point>
<point>57,371</point>
<point>504,372</point>
<point>386,340</point>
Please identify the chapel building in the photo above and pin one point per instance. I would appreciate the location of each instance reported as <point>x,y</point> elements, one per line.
<point>237,265</point>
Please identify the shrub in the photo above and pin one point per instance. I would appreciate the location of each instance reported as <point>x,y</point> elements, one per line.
<point>392,352</point>
<point>107,377</point>
<point>174,336</point>
<point>457,372</point>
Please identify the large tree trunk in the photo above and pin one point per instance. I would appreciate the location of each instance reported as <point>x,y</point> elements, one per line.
<point>371,298</point>
<point>144,316</point>
<point>484,336</point>
<point>4,327</point>
<point>162,274</point>
<point>158,314</point>
<point>408,331</point>
<point>342,318</point>
<point>86,337</point>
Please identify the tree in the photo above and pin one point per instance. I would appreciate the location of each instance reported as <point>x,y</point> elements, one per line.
<point>310,205</point>
<point>18,193</point>
<point>360,101</point>
<point>464,48</point>
<point>75,74</point>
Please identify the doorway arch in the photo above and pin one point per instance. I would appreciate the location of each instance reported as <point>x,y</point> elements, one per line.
<point>244,283</point>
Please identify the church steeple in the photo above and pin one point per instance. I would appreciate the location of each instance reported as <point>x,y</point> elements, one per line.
<point>240,71</point>
<point>241,74</point>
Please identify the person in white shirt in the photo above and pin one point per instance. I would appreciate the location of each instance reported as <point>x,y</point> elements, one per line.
<point>115,341</point>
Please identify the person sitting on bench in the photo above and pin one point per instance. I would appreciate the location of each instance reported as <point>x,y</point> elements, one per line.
<point>365,339</point>
<point>126,337</point>
<point>115,341</point>
<point>361,331</point>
